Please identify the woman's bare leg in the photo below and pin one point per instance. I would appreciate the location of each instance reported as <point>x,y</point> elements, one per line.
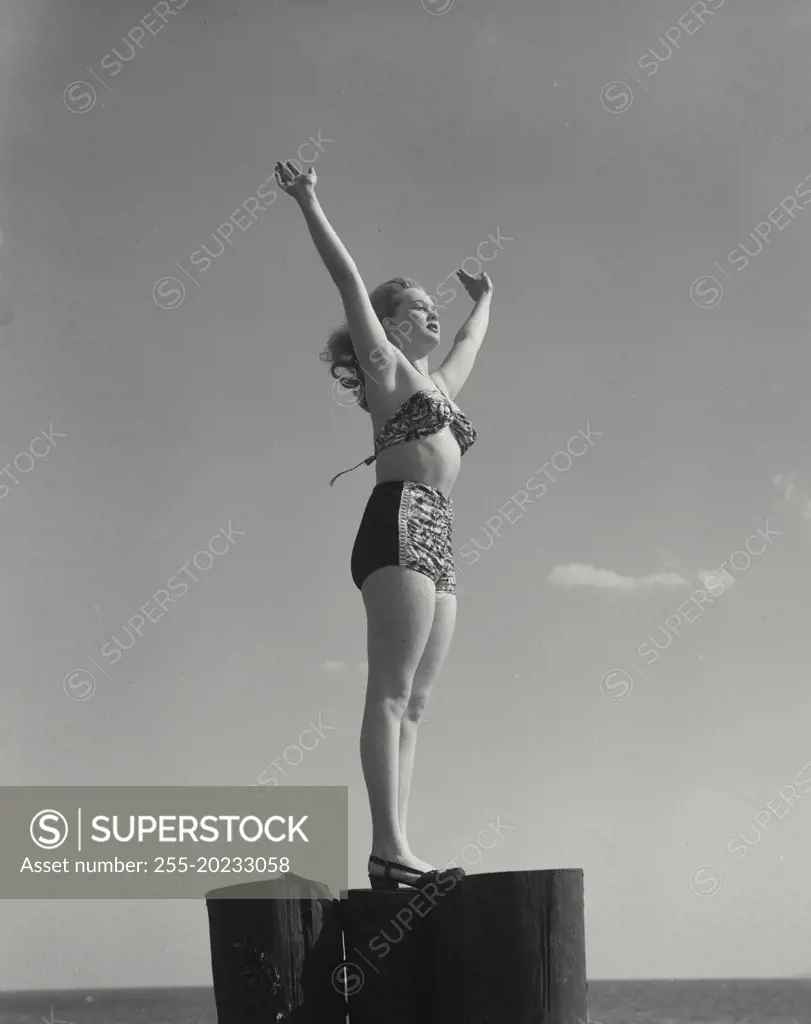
<point>433,658</point>
<point>399,617</point>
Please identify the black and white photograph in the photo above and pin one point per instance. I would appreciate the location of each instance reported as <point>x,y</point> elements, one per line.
<point>405,509</point>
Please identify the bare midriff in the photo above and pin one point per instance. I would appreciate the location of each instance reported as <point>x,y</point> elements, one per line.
<point>433,461</point>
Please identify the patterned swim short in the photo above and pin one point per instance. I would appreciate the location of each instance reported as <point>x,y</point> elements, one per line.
<point>410,525</point>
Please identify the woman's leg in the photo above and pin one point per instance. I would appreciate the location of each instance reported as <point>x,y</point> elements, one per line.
<point>436,650</point>
<point>400,615</point>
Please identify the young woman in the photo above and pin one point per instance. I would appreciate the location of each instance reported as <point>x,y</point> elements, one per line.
<point>402,560</point>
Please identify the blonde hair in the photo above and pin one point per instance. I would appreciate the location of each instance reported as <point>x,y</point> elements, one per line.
<point>339,352</point>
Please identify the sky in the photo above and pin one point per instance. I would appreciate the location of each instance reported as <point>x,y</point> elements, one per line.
<point>627,691</point>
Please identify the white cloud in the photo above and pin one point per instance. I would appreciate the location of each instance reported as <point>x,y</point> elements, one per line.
<point>713,578</point>
<point>785,483</point>
<point>579,575</point>
<point>334,667</point>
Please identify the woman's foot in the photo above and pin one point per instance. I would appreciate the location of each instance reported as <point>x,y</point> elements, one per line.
<point>399,856</point>
<point>403,868</point>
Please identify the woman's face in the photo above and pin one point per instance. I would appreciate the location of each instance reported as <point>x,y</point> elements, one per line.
<point>415,327</point>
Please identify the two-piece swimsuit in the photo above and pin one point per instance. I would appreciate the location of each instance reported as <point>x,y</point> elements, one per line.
<point>406,523</point>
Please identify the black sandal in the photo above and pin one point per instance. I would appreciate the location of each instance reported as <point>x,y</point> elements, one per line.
<point>388,883</point>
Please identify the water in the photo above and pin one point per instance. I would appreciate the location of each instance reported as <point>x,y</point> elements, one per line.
<point>785,1001</point>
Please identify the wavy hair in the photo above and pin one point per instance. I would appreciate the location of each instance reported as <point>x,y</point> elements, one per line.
<point>339,351</point>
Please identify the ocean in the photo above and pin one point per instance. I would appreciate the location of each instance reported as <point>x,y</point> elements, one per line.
<point>785,1001</point>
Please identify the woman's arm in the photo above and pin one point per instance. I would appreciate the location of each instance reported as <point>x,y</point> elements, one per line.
<point>457,365</point>
<point>375,352</point>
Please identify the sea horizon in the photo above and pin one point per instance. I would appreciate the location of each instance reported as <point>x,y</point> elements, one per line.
<point>784,1000</point>
<point>174,988</point>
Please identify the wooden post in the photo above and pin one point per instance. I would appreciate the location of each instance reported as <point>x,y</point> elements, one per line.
<point>389,950</point>
<point>501,948</point>
<point>511,946</point>
<point>273,959</point>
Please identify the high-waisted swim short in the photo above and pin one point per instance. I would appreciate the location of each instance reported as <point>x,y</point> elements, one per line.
<point>410,525</point>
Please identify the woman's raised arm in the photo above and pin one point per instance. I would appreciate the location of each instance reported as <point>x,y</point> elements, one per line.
<point>375,352</point>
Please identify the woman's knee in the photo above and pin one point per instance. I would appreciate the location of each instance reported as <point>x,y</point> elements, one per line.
<point>415,707</point>
<point>390,692</point>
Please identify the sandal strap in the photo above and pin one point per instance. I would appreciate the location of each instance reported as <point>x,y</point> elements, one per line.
<point>391,864</point>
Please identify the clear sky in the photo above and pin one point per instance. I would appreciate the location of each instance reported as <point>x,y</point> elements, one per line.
<point>443,129</point>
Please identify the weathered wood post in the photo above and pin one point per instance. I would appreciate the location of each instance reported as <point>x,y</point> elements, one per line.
<point>389,950</point>
<point>273,960</point>
<point>511,946</point>
<point>500,948</point>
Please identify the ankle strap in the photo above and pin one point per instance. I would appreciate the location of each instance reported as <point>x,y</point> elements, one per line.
<point>389,864</point>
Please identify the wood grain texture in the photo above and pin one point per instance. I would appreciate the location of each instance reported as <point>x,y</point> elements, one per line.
<point>501,948</point>
<point>273,959</point>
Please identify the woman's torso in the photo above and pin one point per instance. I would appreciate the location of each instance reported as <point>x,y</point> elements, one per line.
<point>434,460</point>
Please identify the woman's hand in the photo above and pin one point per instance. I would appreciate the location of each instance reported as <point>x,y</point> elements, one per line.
<point>476,287</point>
<point>294,182</point>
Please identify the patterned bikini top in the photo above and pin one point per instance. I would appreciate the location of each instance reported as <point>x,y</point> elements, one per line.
<point>422,414</point>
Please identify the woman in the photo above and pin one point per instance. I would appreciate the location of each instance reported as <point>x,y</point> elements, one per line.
<point>402,561</point>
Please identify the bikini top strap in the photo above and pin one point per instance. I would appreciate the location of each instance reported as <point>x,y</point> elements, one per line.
<point>371,458</point>
<point>441,390</point>
<point>363,462</point>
